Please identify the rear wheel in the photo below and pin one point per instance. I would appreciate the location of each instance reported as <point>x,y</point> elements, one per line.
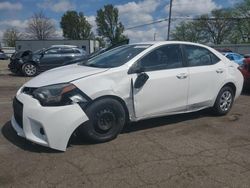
<point>224,101</point>
<point>106,120</point>
<point>29,69</point>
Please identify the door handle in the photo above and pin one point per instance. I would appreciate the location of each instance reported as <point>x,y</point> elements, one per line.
<point>219,71</point>
<point>182,76</point>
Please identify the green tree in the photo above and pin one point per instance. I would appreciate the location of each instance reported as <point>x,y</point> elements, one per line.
<point>217,27</point>
<point>241,32</point>
<point>108,24</point>
<point>189,31</point>
<point>75,26</point>
<point>10,36</point>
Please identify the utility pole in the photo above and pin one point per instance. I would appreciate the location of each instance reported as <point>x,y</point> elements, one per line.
<point>154,36</point>
<point>169,18</point>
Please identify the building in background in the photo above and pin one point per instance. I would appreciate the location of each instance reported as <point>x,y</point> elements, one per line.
<point>89,45</point>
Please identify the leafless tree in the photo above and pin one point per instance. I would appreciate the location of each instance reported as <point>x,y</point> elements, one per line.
<point>10,36</point>
<point>40,27</point>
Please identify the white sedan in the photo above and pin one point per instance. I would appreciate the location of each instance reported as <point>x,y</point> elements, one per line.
<point>129,83</point>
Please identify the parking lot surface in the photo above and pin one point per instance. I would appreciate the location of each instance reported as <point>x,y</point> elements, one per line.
<point>191,150</point>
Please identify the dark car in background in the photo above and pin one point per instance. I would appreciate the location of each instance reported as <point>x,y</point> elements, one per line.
<point>3,56</point>
<point>237,58</point>
<point>31,63</point>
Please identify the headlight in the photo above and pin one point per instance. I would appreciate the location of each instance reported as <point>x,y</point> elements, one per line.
<point>59,95</point>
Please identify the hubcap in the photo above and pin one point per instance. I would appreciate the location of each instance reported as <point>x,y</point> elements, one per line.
<point>30,69</point>
<point>105,120</point>
<point>225,101</point>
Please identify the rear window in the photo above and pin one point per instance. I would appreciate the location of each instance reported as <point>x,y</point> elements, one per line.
<point>199,56</point>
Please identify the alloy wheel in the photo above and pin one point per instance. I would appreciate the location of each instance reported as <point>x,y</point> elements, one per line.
<point>226,101</point>
<point>30,69</point>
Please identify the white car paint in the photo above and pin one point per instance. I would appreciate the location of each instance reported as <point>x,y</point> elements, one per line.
<point>168,91</point>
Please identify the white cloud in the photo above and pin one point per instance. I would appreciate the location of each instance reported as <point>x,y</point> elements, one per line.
<point>91,20</point>
<point>58,34</point>
<point>10,6</point>
<point>133,13</point>
<point>192,7</point>
<point>144,12</point>
<point>157,32</point>
<point>137,13</point>
<point>20,24</point>
<point>60,6</point>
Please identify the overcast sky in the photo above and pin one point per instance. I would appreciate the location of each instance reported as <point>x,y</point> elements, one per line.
<point>15,13</point>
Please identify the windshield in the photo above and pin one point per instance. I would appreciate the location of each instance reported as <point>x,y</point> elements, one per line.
<point>115,57</point>
<point>38,51</point>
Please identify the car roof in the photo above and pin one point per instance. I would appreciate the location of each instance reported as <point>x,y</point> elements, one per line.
<point>167,42</point>
<point>64,46</point>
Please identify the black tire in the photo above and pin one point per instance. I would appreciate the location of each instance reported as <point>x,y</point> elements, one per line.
<point>224,101</point>
<point>107,118</point>
<point>29,69</point>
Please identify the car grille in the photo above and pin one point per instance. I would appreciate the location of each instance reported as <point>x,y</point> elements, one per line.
<point>18,112</point>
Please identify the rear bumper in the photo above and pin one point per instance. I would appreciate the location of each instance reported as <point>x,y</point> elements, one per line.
<point>48,126</point>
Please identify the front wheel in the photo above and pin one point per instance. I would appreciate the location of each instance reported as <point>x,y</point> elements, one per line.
<point>106,120</point>
<point>29,69</point>
<point>224,101</point>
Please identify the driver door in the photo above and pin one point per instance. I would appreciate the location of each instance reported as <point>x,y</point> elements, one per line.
<point>166,83</point>
<point>50,59</point>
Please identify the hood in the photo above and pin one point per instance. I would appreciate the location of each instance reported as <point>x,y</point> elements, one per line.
<point>63,75</point>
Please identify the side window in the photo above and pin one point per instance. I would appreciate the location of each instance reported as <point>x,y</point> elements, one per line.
<point>237,57</point>
<point>166,57</point>
<point>199,56</point>
<point>53,51</point>
<point>67,51</point>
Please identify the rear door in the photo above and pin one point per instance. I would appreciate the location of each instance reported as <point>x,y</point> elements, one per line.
<point>206,76</point>
<point>166,87</point>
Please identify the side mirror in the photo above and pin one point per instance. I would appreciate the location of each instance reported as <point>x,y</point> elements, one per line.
<point>141,80</point>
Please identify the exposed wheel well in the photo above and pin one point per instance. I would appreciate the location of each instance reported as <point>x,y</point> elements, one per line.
<point>118,99</point>
<point>231,85</point>
<point>102,97</point>
<point>30,62</point>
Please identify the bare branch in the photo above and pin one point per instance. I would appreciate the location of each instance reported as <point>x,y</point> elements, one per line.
<point>40,27</point>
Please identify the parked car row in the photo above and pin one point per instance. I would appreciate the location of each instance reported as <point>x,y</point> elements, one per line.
<point>31,63</point>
